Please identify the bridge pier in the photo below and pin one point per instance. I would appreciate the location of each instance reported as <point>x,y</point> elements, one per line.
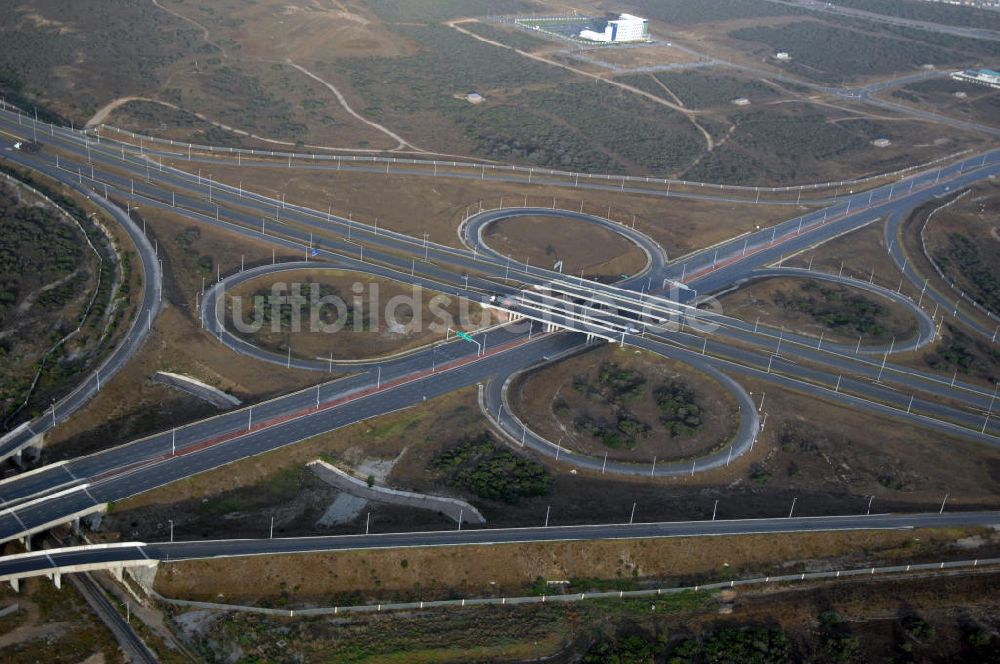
<point>32,450</point>
<point>26,541</point>
<point>142,570</point>
<point>76,526</point>
<point>35,443</point>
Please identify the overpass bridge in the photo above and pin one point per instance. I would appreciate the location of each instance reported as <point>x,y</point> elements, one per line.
<point>597,310</point>
<point>53,563</point>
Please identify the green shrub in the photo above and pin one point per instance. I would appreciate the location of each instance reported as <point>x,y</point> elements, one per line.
<point>492,472</point>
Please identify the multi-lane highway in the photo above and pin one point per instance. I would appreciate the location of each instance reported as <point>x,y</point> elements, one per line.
<point>39,500</point>
<point>133,552</point>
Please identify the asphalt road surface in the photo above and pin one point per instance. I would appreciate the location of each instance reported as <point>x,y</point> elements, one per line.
<point>159,459</point>
<point>149,304</point>
<point>174,551</point>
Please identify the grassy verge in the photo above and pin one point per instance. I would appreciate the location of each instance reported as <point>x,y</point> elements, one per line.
<point>545,567</point>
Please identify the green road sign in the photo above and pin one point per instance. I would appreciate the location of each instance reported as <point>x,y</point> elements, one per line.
<point>464,335</point>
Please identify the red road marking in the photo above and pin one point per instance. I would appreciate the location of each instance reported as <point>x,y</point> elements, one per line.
<point>326,405</point>
<point>785,238</point>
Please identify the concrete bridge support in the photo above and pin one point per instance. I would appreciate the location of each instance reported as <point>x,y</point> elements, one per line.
<point>29,452</point>
<point>143,571</point>
<point>144,575</point>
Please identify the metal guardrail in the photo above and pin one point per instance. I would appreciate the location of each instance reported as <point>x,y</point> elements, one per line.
<point>530,171</point>
<point>652,593</point>
<point>937,268</point>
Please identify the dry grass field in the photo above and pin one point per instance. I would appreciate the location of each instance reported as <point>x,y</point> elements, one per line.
<point>510,570</point>
<point>964,240</point>
<point>355,76</point>
<point>957,99</point>
<point>815,308</point>
<point>131,405</point>
<point>872,620</point>
<point>610,387</point>
<point>418,204</point>
<point>582,247</point>
<point>380,317</point>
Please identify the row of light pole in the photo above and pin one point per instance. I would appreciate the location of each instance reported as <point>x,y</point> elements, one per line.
<point>548,512</point>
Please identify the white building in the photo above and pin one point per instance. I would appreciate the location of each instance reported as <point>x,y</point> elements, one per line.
<point>626,28</point>
<point>986,77</point>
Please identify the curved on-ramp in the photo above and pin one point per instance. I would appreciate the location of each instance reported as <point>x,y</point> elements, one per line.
<point>949,304</point>
<point>213,303</point>
<point>149,305</point>
<point>471,231</point>
<point>497,408</point>
<point>926,329</point>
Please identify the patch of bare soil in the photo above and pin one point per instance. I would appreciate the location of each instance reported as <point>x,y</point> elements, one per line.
<point>580,246</point>
<point>814,446</point>
<point>342,314</point>
<point>608,400</point>
<point>658,55</point>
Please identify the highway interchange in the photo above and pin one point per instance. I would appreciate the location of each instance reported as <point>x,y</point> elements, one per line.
<point>861,377</point>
